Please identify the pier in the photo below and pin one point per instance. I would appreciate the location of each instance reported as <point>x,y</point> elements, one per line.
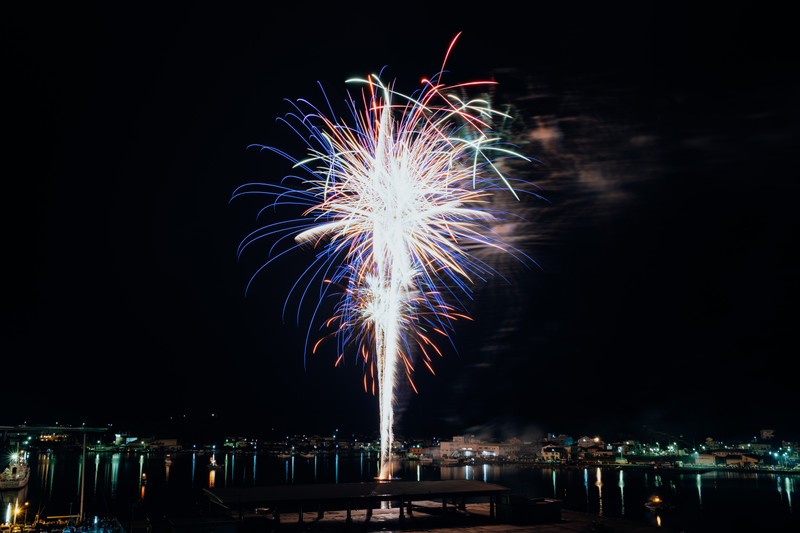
<point>273,501</point>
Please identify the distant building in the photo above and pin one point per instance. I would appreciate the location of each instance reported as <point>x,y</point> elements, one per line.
<point>758,448</point>
<point>433,453</point>
<point>705,459</point>
<point>554,454</point>
<point>590,442</point>
<point>741,461</point>
<point>626,447</point>
<point>470,446</point>
<point>558,439</point>
<point>171,445</point>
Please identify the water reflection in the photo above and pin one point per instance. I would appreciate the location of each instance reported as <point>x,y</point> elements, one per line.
<point>289,469</point>
<point>586,484</point>
<point>45,472</point>
<point>469,472</point>
<point>142,476</point>
<point>79,481</point>
<point>114,473</point>
<point>96,473</point>
<point>599,485</point>
<point>699,483</point>
<point>14,504</point>
<point>117,476</point>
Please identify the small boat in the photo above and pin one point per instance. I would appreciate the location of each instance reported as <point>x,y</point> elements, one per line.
<point>17,473</point>
<point>657,503</point>
<point>168,460</point>
<point>213,465</point>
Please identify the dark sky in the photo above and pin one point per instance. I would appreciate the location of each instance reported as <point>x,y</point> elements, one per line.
<point>665,294</point>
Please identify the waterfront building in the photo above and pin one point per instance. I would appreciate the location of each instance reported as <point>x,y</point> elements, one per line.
<point>705,459</point>
<point>554,454</point>
<point>470,446</point>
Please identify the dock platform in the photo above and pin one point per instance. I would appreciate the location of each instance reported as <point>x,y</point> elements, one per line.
<point>348,497</point>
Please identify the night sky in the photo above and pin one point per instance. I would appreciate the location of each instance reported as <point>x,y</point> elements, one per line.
<point>664,296</point>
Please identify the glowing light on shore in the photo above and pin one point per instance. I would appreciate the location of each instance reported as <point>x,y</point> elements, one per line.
<point>396,203</point>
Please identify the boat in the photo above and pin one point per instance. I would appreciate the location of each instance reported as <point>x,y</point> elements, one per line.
<point>214,465</point>
<point>657,503</point>
<point>17,473</point>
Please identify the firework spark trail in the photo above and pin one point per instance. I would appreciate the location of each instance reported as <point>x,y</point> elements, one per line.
<point>394,202</point>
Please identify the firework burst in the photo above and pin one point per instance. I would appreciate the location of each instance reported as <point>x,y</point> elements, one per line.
<point>395,201</point>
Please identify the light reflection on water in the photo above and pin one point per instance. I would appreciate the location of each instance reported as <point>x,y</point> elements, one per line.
<point>119,482</point>
<point>599,485</point>
<point>699,483</point>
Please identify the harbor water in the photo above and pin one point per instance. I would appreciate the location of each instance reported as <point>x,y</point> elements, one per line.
<point>139,486</point>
